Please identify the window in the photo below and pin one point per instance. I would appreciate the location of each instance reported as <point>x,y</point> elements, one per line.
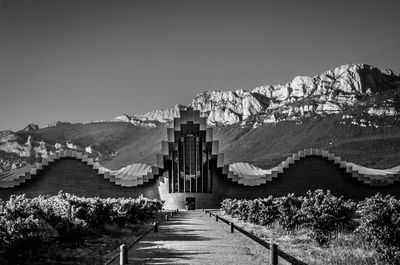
<point>189,161</point>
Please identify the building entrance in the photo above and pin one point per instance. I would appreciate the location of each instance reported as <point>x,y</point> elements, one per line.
<point>190,203</point>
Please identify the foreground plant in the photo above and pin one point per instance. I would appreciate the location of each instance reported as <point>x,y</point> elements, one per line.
<point>26,224</point>
<point>326,215</point>
<point>376,220</point>
<point>380,225</point>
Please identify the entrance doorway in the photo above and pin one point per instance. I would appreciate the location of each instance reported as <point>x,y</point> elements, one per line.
<point>190,203</point>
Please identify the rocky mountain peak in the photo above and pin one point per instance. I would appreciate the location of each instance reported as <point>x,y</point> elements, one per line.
<point>31,127</point>
<point>332,92</point>
<point>8,135</point>
<point>161,115</point>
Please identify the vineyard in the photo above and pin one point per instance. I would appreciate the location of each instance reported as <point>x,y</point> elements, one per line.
<point>65,220</point>
<point>373,223</point>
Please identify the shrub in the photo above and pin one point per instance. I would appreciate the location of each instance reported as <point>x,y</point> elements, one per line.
<point>326,215</point>
<point>380,225</point>
<point>258,211</point>
<point>27,223</point>
<point>19,237</point>
<point>243,209</point>
<point>265,211</point>
<point>62,215</point>
<point>290,216</point>
<point>95,212</point>
<point>18,206</point>
<point>229,206</point>
<point>269,212</point>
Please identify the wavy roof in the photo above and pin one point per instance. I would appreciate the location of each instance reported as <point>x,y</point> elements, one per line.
<point>249,175</point>
<point>128,176</point>
<point>243,173</point>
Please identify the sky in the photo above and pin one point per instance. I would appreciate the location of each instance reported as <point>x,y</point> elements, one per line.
<point>79,61</point>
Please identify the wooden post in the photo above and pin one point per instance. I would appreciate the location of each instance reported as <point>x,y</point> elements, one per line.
<point>171,214</point>
<point>209,213</point>
<point>177,210</point>
<point>232,227</point>
<point>155,227</point>
<point>216,218</point>
<point>166,217</point>
<point>274,253</point>
<point>123,255</point>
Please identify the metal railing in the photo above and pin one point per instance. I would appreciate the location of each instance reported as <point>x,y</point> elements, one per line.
<point>275,253</point>
<point>123,249</point>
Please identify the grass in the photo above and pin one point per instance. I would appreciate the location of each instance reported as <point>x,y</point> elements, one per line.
<point>345,249</point>
<point>268,145</point>
<point>264,146</point>
<point>97,247</point>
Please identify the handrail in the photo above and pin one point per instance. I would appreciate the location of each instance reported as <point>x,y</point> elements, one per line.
<point>260,241</point>
<point>154,227</point>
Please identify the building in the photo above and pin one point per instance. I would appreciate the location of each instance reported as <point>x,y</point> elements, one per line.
<point>191,171</point>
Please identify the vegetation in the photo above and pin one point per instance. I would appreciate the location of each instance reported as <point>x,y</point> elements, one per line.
<point>265,146</point>
<point>326,215</point>
<point>396,101</point>
<point>28,224</point>
<point>126,139</point>
<point>373,224</point>
<point>379,224</point>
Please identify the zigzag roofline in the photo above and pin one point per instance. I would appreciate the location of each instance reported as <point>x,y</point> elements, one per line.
<point>242,173</point>
<point>249,175</point>
<point>128,176</point>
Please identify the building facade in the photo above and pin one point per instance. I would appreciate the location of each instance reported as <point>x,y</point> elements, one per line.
<point>190,172</point>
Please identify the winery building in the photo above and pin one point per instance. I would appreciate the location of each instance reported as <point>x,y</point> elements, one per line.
<point>191,171</point>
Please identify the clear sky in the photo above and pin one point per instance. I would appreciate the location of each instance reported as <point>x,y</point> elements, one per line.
<point>90,60</point>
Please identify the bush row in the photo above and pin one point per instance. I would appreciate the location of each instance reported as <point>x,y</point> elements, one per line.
<point>376,219</point>
<point>28,223</point>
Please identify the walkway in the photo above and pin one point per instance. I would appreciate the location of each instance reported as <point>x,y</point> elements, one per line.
<point>192,237</point>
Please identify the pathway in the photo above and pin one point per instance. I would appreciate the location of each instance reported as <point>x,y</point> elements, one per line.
<point>192,237</point>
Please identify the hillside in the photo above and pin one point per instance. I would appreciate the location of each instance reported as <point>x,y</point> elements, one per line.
<point>352,111</point>
<point>268,144</point>
<point>116,144</point>
<point>119,143</point>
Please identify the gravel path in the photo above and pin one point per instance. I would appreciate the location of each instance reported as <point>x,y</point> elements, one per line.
<point>192,237</point>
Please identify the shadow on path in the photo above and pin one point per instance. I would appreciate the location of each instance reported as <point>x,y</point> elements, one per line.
<point>192,237</point>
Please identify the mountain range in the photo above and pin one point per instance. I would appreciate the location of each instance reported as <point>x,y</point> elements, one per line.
<point>352,110</point>
<point>349,89</point>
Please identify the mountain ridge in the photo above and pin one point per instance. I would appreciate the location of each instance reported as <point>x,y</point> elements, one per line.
<point>353,105</point>
<point>332,92</point>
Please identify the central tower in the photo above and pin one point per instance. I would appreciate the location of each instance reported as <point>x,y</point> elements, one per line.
<point>190,154</point>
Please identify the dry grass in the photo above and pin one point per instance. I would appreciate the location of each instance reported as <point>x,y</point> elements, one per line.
<point>346,249</point>
<point>97,248</point>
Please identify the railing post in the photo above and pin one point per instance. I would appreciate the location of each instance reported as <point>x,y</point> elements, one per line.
<point>177,210</point>
<point>166,217</point>
<point>232,227</point>
<point>216,218</point>
<point>209,213</point>
<point>171,213</point>
<point>155,227</point>
<point>123,255</point>
<point>274,253</point>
